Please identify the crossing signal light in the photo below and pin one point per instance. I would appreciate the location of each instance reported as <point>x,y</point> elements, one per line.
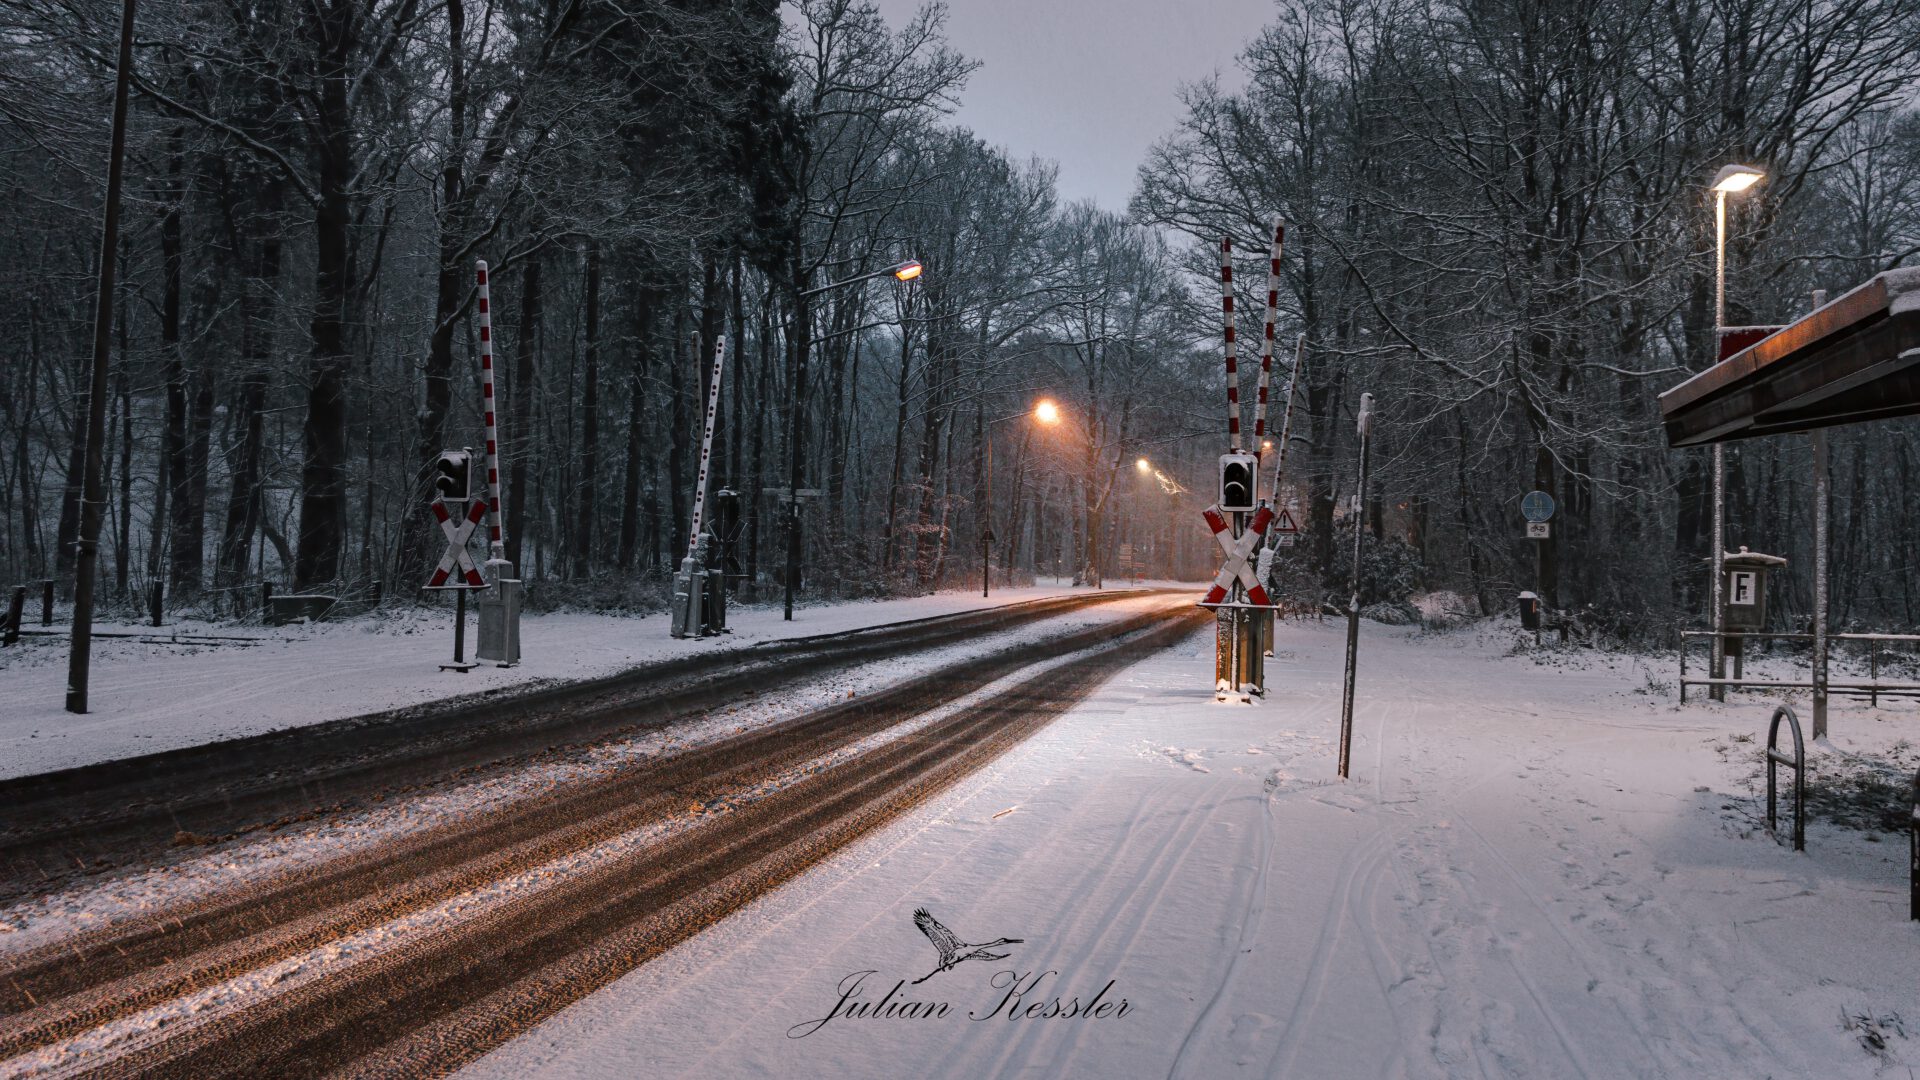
<point>453,475</point>
<point>1239,479</point>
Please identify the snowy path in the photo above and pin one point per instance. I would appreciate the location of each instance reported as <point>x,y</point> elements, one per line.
<point>149,697</point>
<point>1530,875</point>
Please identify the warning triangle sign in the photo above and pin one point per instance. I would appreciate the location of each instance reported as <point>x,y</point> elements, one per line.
<point>1284,523</point>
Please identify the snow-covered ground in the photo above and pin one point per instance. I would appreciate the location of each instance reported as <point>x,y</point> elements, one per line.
<point>146,697</point>
<point>1539,869</point>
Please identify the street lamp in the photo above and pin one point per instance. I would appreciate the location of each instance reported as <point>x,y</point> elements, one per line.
<point>1730,180</point>
<point>1044,412</point>
<point>796,448</point>
<point>905,271</point>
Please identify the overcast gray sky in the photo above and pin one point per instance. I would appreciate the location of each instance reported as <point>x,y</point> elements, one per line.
<point>1088,83</point>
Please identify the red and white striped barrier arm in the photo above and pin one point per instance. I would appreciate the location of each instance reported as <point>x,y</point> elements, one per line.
<point>706,443</point>
<point>1233,367</point>
<point>1266,339</point>
<point>496,544</point>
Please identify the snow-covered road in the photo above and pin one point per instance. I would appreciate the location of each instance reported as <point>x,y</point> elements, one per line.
<point>1537,871</point>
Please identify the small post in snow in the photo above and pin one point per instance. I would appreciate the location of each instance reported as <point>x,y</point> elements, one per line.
<point>1365,426</point>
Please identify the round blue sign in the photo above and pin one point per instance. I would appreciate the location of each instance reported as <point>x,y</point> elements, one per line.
<point>1536,506</point>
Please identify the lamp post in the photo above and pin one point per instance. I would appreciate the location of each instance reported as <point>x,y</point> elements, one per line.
<point>1730,180</point>
<point>1045,412</point>
<point>796,448</point>
<point>87,550</point>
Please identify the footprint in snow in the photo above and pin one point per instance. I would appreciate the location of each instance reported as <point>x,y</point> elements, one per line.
<point>1190,758</point>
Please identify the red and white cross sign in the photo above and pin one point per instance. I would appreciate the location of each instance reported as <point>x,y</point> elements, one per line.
<point>1238,552</point>
<point>456,556</point>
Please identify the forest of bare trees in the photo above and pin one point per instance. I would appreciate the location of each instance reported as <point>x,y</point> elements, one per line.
<point>1499,226</point>
<point>1504,231</point>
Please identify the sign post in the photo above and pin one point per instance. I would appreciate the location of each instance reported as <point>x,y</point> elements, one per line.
<point>458,559</point>
<point>1365,426</point>
<point>1537,507</point>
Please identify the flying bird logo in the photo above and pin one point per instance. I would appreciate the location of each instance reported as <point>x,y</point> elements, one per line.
<point>952,950</point>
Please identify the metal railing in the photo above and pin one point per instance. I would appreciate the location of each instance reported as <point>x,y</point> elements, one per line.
<point>1798,763</point>
<point>1872,688</point>
<point>1913,840</point>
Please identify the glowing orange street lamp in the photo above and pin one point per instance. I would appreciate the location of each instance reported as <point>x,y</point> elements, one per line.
<point>1044,412</point>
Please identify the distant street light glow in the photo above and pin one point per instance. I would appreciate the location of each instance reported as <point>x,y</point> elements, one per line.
<point>1046,412</point>
<point>907,271</point>
<point>1142,465</point>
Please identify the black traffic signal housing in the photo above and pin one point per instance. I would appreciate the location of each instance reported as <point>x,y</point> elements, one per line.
<point>453,475</point>
<point>1239,482</point>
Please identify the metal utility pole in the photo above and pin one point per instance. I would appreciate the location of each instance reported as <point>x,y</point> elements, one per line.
<point>1353,601</point>
<point>1822,497</point>
<point>1715,599</point>
<point>92,494</point>
<point>1732,178</point>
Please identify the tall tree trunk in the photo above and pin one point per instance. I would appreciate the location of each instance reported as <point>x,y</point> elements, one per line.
<point>682,430</point>
<point>636,427</point>
<point>35,558</point>
<point>712,319</point>
<point>123,528</point>
<point>525,399</point>
<point>173,363</point>
<point>417,534</point>
<point>589,416</point>
<point>323,489</point>
<point>736,363</point>
<point>757,478</point>
<point>901,382</point>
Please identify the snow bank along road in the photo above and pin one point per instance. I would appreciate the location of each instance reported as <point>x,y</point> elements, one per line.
<point>99,815</point>
<point>419,953</point>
